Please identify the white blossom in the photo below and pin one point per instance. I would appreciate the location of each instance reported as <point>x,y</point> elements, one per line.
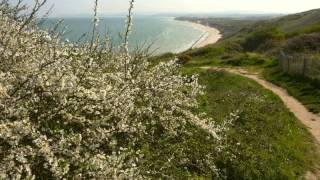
<point>63,106</point>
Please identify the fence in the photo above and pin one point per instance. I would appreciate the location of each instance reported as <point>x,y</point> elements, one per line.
<point>301,64</point>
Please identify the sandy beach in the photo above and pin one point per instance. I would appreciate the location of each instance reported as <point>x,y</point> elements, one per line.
<point>210,35</point>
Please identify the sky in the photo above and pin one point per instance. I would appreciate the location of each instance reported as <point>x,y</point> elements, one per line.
<point>77,7</point>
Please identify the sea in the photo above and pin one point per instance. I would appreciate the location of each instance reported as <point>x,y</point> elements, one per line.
<point>158,34</point>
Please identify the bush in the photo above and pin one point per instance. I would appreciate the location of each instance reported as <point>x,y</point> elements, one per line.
<point>233,46</point>
<point>305,30</point>
<point>206,51</point>
<point>71,111</point>
<point>184,59</point>
<point>247,59</point>
<point>303,43</point>
<point>260,37</point>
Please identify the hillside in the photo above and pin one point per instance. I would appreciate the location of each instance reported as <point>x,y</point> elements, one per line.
<point>290,25</point>
<point>227,26</point>
<point>257,48</point>
<point>295,22</point>
<point>283,50</point>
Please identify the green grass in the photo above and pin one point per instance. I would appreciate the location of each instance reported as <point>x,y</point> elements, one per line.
<point>273,143</point>
<point>305,30</point>
<point>246,59</point>
<point>294,22</point>
<point>303,89</point>
<point>261,37</point>
<point>267,140</point>
<point>217,56</point>
<point>190,151</point>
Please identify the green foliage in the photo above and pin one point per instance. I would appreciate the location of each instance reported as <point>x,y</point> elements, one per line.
<point>305,30</point>
<point>207,51</point>
<point>205,56</point>
<point>189,150</point>
<point>183,59</point>
<point>294,22</point>
<point>232,46</point>
<point>303,43</point>
<point>271,142</point>
<point>164,56</point>
<point>161,58</point>
<point>304,89</point>
<point>246,59</point>
<point>286,152</point>
<point>261,37</point>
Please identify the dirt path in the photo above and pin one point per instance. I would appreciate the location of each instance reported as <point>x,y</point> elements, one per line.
<point>310,120</point>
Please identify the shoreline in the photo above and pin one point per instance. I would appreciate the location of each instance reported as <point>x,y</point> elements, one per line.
<point>210,35</point>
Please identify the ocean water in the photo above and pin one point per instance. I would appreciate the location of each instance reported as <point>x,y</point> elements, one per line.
<point>162,34</point>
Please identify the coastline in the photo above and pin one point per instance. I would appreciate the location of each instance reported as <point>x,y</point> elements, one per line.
<point>210,35</point>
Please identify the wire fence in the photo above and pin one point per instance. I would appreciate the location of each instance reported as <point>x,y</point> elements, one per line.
<point>301,64</point>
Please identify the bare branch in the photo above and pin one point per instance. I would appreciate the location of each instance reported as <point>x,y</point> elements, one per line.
<point>95,23</point>
<point>37,6</point>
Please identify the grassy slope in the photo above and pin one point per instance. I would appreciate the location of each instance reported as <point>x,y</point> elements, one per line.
<point>271,142</point>
<point>296,21</point>
<point>193,146</point>
<point>268,37</point>
<point>302,88</point>
<point>268,141</point>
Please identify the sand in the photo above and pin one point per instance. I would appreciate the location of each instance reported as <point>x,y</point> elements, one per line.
<point>210,35</point>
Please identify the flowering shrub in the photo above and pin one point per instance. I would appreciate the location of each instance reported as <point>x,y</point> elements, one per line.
<point>80,111</point>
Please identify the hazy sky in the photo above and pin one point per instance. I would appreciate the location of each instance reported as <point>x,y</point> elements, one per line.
<point>74,7</point>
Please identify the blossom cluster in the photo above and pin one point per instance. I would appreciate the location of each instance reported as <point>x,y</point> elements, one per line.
<point>71,111</point>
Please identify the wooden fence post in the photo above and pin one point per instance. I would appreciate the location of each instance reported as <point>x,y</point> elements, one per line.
<point>283,60</point>
<point>304,70</point>
<point>288,64</point>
